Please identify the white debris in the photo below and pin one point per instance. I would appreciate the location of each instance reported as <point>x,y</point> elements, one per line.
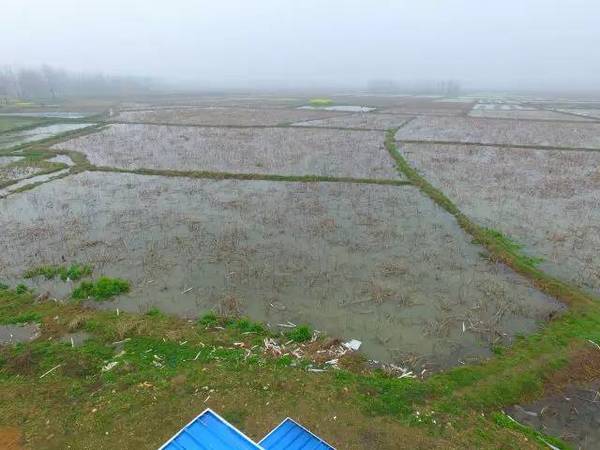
<point>352,344</point>
<point>272,346</point>
<point>109,366</point>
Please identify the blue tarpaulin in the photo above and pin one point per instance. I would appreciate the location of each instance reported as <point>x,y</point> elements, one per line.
<point>209,431</point>
<point>290,435</point>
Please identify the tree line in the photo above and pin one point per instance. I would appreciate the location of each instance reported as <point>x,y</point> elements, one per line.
<point>49,82</point>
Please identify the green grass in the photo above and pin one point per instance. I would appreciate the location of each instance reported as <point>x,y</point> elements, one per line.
<point>21,288</point>
<point>251,176</point>
<point>18,123</point>
<point>103,288</point>
<point>301,333</point>
<point>320,102</point>
<point>74,272</point>
<point>31,316</point>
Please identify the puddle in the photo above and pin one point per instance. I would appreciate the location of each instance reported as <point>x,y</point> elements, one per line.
<point>13,334</point>
<point>340,108</point>
<point>573,416</point>
<point>381,264</point>
<point>5,160</point>
<point>63,159</point>
<point>13,138</point>
<point>33,180</point>
<point>75,339</point>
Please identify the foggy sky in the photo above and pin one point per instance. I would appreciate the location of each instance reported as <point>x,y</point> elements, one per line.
<point>484,44</point>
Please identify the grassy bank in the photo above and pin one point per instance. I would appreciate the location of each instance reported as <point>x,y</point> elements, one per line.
<point>141,372</point>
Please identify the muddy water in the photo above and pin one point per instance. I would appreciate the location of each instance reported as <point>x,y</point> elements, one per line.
<point>13,334</point>
<point>35,134</point>
<point>573,415</point>
<point>381,264</point>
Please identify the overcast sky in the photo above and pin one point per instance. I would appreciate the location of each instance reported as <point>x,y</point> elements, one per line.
<point>504,43</point>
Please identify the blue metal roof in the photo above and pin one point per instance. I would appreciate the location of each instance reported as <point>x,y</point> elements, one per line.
<point>209,431</point>
<point>290,435</point>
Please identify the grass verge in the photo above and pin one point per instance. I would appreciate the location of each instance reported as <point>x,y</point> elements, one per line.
<point>103,288</point>
<point>136,373</point>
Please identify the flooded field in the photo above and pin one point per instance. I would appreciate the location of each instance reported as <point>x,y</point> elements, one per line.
<point>524,113</point>
<point>381,264</point>
<point>505,132</point>
<point>14,138</point>
<point>547,200</point>
<point>220,115</point>
<point>287,151</point>
<point>374,121</point>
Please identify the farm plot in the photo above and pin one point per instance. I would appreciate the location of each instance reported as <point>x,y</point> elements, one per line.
<point>547,200</point>
<point>223,116</point>
<point>286,151</point>
<point>428,106</point>
<point>503,132</point>
<point>381,264</point>
<point>523,113</point>
<point>14,138</point>
<point>588,113</point>
<point>372,121</point>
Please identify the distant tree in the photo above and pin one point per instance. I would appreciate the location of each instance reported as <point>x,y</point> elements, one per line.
<point>50,82</point>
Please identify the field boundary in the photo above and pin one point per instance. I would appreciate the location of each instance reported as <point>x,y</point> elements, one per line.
<point>250,176</point>
<point>481,144</point>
